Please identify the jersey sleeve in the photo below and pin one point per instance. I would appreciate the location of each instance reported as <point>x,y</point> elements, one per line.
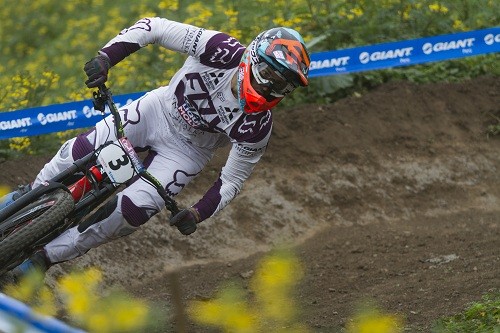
<point>175,36</point>
<point>250,137</point>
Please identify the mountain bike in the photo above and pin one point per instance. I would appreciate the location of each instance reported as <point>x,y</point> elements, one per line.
<point>65,201</point>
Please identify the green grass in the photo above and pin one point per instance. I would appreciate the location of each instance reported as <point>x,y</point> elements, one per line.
<point>479,317</point>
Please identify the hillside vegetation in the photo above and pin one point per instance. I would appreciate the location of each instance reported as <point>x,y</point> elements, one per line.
<point>44,45</point>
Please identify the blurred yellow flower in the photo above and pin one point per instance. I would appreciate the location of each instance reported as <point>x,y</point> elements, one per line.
<point>20,144</point>
<point>227,311</point>
<point>113,313</point>
<point>172,5</point>
<point>357,11</point>
<point>273,307</point>
<point>31,289</point>
<point>199,13</point>
<point>4,190</point>
<point>459,25</point>
<point>438,8</point>
<point>370,320</point>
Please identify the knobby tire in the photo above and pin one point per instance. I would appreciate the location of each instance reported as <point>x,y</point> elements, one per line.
<point>40,226</point>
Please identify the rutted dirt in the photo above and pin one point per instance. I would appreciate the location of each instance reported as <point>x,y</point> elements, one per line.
<point>392,196</point>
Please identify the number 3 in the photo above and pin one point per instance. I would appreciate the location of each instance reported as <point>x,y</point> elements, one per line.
<point>119,163</point>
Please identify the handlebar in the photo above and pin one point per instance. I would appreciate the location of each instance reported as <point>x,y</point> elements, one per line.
<point>103,97</point>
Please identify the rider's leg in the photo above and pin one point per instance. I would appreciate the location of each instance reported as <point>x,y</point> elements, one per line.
<point>134,207</point>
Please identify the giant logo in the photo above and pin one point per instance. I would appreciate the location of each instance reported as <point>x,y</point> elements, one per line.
<point>15,123</point>
<point>491,39</point>
<point>339,63</point>
<point>366,57</point>
<point>45,119</point>
<point>463,44</point>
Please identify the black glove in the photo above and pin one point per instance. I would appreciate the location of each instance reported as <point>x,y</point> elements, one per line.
<point>186,220</point>
<point>97,70</point>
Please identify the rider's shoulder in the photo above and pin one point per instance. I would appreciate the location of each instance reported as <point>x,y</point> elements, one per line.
<point>221,50</point>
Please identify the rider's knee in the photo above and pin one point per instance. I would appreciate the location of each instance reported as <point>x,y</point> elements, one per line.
<point>82,145</point>
<point>135,215</point>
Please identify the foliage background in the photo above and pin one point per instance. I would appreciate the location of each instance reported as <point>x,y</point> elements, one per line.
<point>44,44</point>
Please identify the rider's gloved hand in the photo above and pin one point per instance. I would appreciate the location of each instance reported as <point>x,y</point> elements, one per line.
<point>97,70</point>
<point>186,220</point>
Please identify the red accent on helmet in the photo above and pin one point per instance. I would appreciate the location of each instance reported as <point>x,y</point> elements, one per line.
<point>254,102</point>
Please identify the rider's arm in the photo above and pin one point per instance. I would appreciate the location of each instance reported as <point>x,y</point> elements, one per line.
<point>172,35</point>
<point>253,134</point>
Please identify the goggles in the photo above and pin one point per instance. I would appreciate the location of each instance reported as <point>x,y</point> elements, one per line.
<point>272,81</point>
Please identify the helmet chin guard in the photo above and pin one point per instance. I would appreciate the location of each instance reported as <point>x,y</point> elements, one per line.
<point>250,100</point>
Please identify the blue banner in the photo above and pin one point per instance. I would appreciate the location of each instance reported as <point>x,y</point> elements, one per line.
<point>61,117</point>
<point>55,118</point>
<point>405,53</point>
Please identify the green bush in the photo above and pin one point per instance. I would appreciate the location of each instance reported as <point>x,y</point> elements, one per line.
<point>479,317</point>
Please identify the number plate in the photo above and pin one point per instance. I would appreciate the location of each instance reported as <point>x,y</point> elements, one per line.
<point>120,161</point>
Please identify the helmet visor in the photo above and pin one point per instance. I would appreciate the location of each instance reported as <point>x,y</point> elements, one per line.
<point>272,83</point>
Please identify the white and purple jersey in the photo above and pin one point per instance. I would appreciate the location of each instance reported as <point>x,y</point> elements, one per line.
<point>199,102</point>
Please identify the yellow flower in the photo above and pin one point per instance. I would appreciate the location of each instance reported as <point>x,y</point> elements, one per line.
<point>227,311</point>
<point>21,144</point>
<point>372,321</point>
<point>172,5</point>
<point>129,315</point>
<point>357,11</point>
<point>32,290</point>
<point>99,322</point>
<point>4,190</point>
<point>438,8</point>
<point>47,302</point>
<point>459,25</point>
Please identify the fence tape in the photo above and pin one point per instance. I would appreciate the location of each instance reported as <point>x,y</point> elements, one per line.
<point>72,115</point>
<point>16,316</point>
<point>405,53</point>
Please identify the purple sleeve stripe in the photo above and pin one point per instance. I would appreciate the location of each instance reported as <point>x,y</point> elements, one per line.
<point>208,204</point>
<point>118,51</point>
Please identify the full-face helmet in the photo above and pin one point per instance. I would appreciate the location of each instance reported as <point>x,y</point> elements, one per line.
<point>273,65</point>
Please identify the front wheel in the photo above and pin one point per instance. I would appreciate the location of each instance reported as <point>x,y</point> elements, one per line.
<point>21,233</point>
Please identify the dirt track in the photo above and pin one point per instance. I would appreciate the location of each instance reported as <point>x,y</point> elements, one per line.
<point>393,196</point>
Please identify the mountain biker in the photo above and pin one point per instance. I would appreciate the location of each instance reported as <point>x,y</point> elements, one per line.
<point>222,95</point>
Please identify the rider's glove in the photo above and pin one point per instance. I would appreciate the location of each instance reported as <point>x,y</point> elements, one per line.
<point>186,220</point>
<point>97,70</point>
